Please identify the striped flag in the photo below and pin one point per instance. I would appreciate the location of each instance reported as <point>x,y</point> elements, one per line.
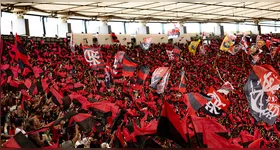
<point>129,66</point>
<point>141,76</point>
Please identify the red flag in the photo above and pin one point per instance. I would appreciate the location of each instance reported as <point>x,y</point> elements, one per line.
<point>141,76</point>
<point>169,126</point>
<point>129,66</point>
<point>218,101</point>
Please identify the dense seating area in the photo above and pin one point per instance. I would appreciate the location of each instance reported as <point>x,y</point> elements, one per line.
<point>28,102</point>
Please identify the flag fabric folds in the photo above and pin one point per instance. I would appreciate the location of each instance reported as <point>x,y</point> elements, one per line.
<point>193,46</point>
<point>217,103</point>
<point>259,90</point>
<point>141,76</point>
<point>195,101</point>
<point>160,79</point>
<point>129,66</point>
<point>182,85</point>
<point>56,97</point>
<point>21,55</point>
<point>19,141</point>
<point>169,126</point>
<point>84,121</point>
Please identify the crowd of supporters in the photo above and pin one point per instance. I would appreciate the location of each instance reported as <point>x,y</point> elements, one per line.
<point>61,67</point>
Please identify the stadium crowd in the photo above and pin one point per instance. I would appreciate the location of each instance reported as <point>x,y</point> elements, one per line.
<point>55,64</point>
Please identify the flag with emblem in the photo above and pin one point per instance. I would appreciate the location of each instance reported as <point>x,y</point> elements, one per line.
<point>259,89</point>
<point>94,57</point>
<point>193,46</point>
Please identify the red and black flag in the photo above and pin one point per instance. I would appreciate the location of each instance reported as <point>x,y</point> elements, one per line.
<point>174,55</point>
<point>21,55</point>
<point>160,79</point>
<point>129,66</point>
<point>84,121</point>
<point>117,67</point>
<point>19,141</point>
<point>94,57</point>
<point>103,110</point>
<point>169,126</point>
<point>119,140</point>
<point>199,126</point>
<point>33,88</point>
<point>56,97</point>
<point>217,104</point>
<point>195,101</point>
<point>141,76</point>
<point>182,85</point>
<point>259,89</point>
<point>128,138</point>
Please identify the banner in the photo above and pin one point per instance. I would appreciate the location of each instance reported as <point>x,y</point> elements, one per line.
<point>146,43</point>
<point>94,57</point>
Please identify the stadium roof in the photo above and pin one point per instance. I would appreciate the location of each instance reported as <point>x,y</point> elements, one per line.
<point>153,11</point>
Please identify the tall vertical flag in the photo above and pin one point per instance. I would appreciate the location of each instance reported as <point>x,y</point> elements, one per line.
<point>182,85</point>
<point>117,67</point>
<point>259,89</point>
<point>174,54</point>
<point>169,126</point>
<point>141,76</point>
<point>129,66</point>
<point>193,46</point>
<point>95,58</point>
<point>21,55</point>
<point>160,78</point>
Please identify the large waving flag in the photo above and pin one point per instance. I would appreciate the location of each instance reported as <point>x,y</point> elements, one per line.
<point>95,58</point>
<point>169,126</point>
<point>21,55</point>
<point>193,46</point>
<point>259,89</point>
<point>141,76</point>
<point>160,78</point>
<point>129,66</point>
